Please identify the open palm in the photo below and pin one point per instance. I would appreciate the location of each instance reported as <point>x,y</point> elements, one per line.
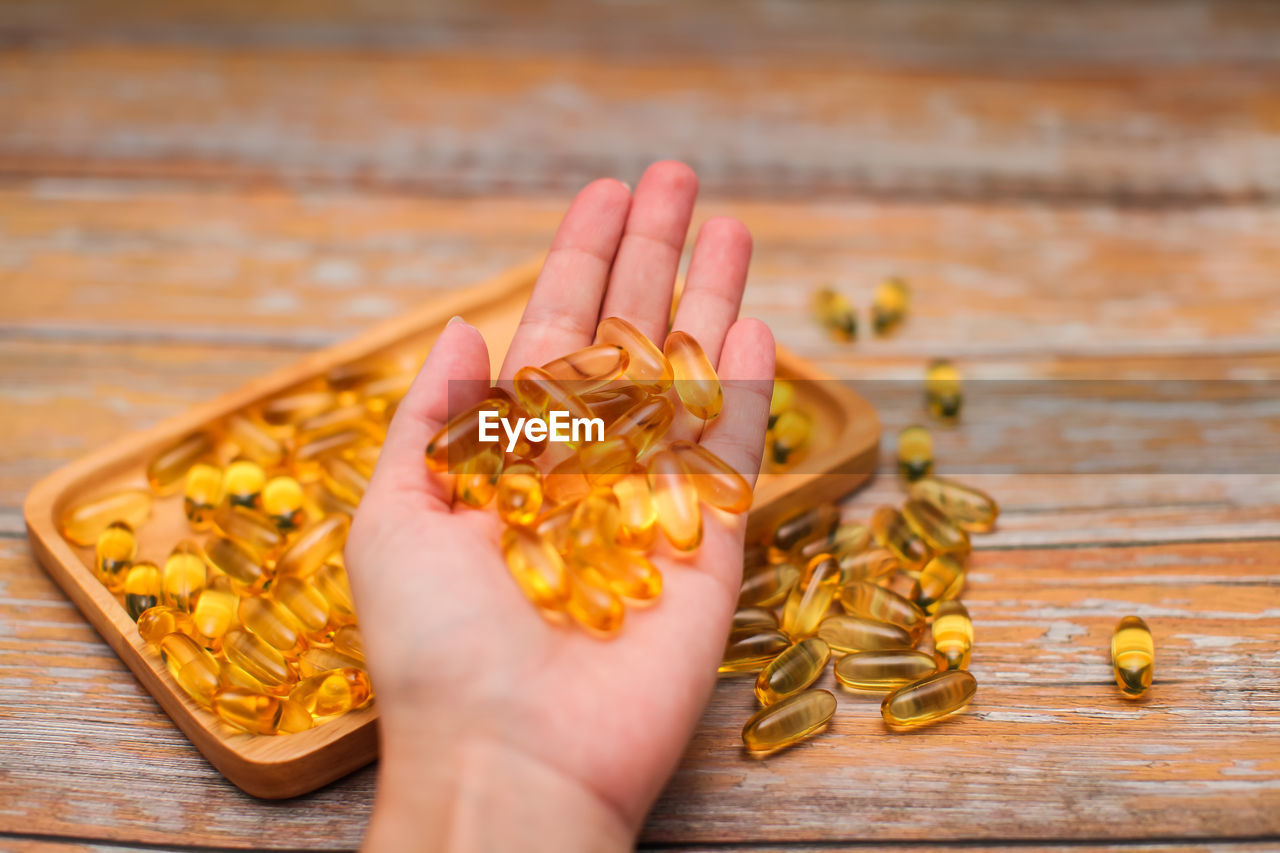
<point>458,655</point>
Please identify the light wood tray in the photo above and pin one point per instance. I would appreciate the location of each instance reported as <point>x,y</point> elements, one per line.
<point>846,438</point>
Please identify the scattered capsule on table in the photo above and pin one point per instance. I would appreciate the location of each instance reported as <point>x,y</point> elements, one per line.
<point>271,622</point>
<point>141,588</point>
<point>647,366</point>
<point>519,493</point>
<point>932,525</point>
<point>343,479</point>
<point>768,586</point>
<point>236,562</point>
<point>459,439</point>
<point>191,666</point>
<point>848,538</point>
<point>889,306</point>
<point>676,501</point>
<point>809,601</point>
<point>789,437</point>
<point>260,659</point>
<point>915,453</point>
<point>873,565</point>
<point>537,567</point>
<point>892,532</point>
<point>282,502</point>
<point>215,610</point>
<point>750,649</point>
<point>334,692</point>
<point>696,381</point>
<point>793,670</point>
<point>202,494</point>
<point>167,470</point>
<point>804,525</point>
<point>929,700</point>
<point>952,635</point>
<point>859,634</point>
<point>589,369</point>
<point>940,580</point>
<point>637,513</point>
<point>942,390</point>
<point>84,522</point>
<point>475,482</point>
<point>184,575</point>
<point>158,622</point>
<point>967,507</point>
<point>252,530</point>
<point>883,669</point>
<point>114,553</point>
<point>313,545</point>
<point>781,400</point>
<point>242,482</point>
<point>789,721</point>
<point>715,481</point>
<point>862,598</point>
<point>254,712</point>
<point>643,424</point>
<point>254,440</point>
<point>753,617</point>
<point>1133,656</point>
<point>835,313</point>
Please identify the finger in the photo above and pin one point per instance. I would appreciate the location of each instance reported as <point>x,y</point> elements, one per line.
<point>713,288</point>
<point>746,375</point>
<point>562,312</point>
<point>454,377</point>
<point>644,269</point>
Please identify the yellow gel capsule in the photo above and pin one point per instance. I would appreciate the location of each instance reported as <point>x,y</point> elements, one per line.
<point>932,698</point>
<point>835,313</point>
<point>589,369</point>
<point>476,480</point>
<point>349,641</point>
<point>952,635</point>
<point>861,598</point>
<point>236,562</point>
<point>967,507</point>
<point>1133,656</point>
<point>643,424</point>
<point>933,526</point>
<point>215,610</point>
<point>942,391</point>
<point>695,379</point>
<point>315,661</point>
<point>647,366</point>
<point>592,603</point>
<point>627,573</point>
<point>874,565</point>
<point>307,456</point>
<point>848,538</point>
<point>892,532</point>
<point>83,523</point>
<point>789,721</point>
<point>768,586</point>
<point>297,406</point>
<point>352,416</point>
<point>889,305</point>
<point>810,600</point>
<point>782,400</point>
<point>282,502</point>
<point>753,617</point>
<point>114,552</point>
<point>519,494</point>
<point>606,462</point>
<point>260,659</point>
<point>191,666</point>
<point>792,671</point>
<point>611,403</point>
<point>883,670</point>
<point>357,374</point>
<point>304,602</point>
<point>314,545</point>
<point>801,526</point>
<point>167,470</point>
<point>141,588</point>
<point>676,501</point>
<point>201,494</point>
<point>540,394</point>
<point>637,513</point>
<point>459,439</point>
<point>860,634</point>
<point>331,580</point>
<point>183,577</point>
<point>343,479</point>
<point>381,396</point>
<point>250,529</point>
<point>915,453</point>
<point>158,622</point>
<point>940,580</point>
<point>242,482</point>
<point>334,692</point>
<point>269,621</point>
<point>714,479</point>
<point>364,457</point>
<point>525,447</point>
<point>789,437</point>
<point>537,567</point>
<point>255,440</point>
<point>565,483</point>
<point>254,712</point>
<point>232,677</point>
<point>294,718</point>
<point>750,649</point>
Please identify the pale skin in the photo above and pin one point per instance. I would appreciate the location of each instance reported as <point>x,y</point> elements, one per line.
<point>501,730</point>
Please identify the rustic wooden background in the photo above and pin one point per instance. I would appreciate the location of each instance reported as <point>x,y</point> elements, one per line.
<point>193,194</point>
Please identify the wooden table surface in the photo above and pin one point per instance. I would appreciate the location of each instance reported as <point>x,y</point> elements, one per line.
<point>191,196</point>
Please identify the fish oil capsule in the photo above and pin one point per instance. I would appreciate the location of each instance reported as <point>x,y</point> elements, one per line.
<point>889,305</point>
<point>967,507</point>
<point>676,501</point>
<point>565,483</point>
<point>714,479</point>
<point>332,582</point>
<point>364,457</point>
<point>158,622</point>
<point>260,659</point>
<point>201,494</point>
<point>183,577</point>
<point>627,573</point>
<point>83,523</point>
<point>349,641</point>
<point>874,565</point>
<point>252,530</point>
<point>114,552</point>
<point>848,538</point>
<point>343,479</point>
<point>942,392</point>
<point>519,493</point>
<point>268,621</point>
<point>334,692</point>
<point>315,661</point>
<point>592,603</point>
<point>792,671</point>
<point>610,404</point>
<point>802,526</point>
<point>952,635</point>
<point>541,394</point>
<point>459,439</point>
<point>883,670</point>
<point>314,545</point>
<point>242,482</point>
<point>915,453</point>
<point>1133,656</point>
<point>297,406</point>
<point>236,562</point>
<point>647,366</point>
<point>789,437</point>
<point>932,698</point>
<point>381,396</point>
<point>768,586</point>
<point>304,602</point>
<point>835,313</point>
<point>357,374</point>
<point>860,634</point>
<point>892,532</point>
<point>789,721</point>
<point>782,400</point>
<point>254,712</point>
<point>637,513</point>
<point>861,598</point>
<point>525,447</point>
<point>810,600</point>
<point>593,526</point>
<point>307,456</point>
<point>352,416</point>
<point>537,567</point>
<point>753,617</point>
<point>232,677</point>
<point>476,480</point>
<point>167,470</point>
<point>643,424</point>
<point>215,610</point>
<point>141,588</point>
<point>294,718</point>
<point>589,369</point>
<point>933,526</point>
<point>940,580</point>
<point>282,502</point>
<point>191,666</point>
<point>696,381</point>
<point>606,462</point>
<point>255,440</point>
<point>751,649</point>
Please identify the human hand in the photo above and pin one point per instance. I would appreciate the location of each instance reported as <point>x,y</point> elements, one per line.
<point>500,729</point>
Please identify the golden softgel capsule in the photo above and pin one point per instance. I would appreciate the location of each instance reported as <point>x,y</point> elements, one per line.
<point>792,671</point>
<point>235,561</point>
<point>591,368</point>
<point>789,721</point>
<point>892,532</point>
<point>537,567</point>
<point>215,610</point>
<point>714,479</point>
<point>789,437</point>
<point>967,507</point>
<point>459,439</point>
<point>314,545</point>
<point>883,670</point>
<point>889,306</point>
<point>646,364</point>
<point>637,513</point>
<point>835,313</point>
<point>260,659</point>
<point>191,666</point>
<point>676,501</point>
<point>952,635</point>
<point>873,565</point>
<point>928,700</point>
<point>592,603</point>
<point>114,553</point>
<point>915,453</point>
<point>932,525</point>
<point>167,470</point>
<point>810,600</point>
<point>255,441</point>
<point>848,538</point>
<point>942,390</point>
<point>1133,656</point>
<point>255,713</point>
<point>940,580</point>
<point>862,598</point>
<point>183,577</point>
<point>271,622</point>
<point>250,529</point>
<point>141,588</point>
<point>749,649</point>
<point>242,482</point>
<point>335,692</point>
<point>84,522</point>
<point>801,526</point>
<point>768,585</point>
<point>860,634</point>
<point>695,379</point>
<point>201,494</point>
<point>160,621</point>
<point>519,495</point>
<point>643,424</point>
<point>283,500</point>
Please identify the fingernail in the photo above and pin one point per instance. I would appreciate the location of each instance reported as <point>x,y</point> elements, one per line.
<point>454,320</point>
<point>625,184</point>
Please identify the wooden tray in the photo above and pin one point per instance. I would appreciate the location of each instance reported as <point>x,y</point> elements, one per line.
<point>846,437</point>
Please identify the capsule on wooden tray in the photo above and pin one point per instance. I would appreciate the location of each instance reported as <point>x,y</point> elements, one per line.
<point>114,553</point>
<point>271,622</point>
<point>283,501</point>
<point>195,670</point>
<point>810,599</point>
<point>943,394</point>
<point>235,561</point>
<point>940,580</point>
<point>85,521</point>
<point>915,453</point>
<point>1133,656</point>
<point>750,649</point>
<point>260,659</point>
<point>160,621</point>
<point>883,669</point>
<point>254,440</point>
<point>313,545</point>
<point>167,470</point>
<point>201,494</point>
<point>788,438</point>
<point>801,526</point>
<point>184,575</point>
<point>793,670</point>
<point>846,633</point>
<point>767,586</point>
<point>782,400</point>
<point>252,530</point>
<point>647,366</point>
<point>292,407</point>
<point>676,501</point>
<point>933,526</point>
<point>304,601</point>
<point>141,588</point>
<point>892,532</point>
<point>344,479</point>
<point>254,712</point>
<point>304,462</point>
<point>789,721</point>
<point>242,482</point>
<point>215,610</point>
<point>929,700</point>
<point>696,381</point>
<point>334,692</point>
<point>952,635</point>
<point>332,581</point>
<point>589,369</point>
<point>716,482</point>
<point>967,507</point>
<point>862,598</point>
<point>349,641</point>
